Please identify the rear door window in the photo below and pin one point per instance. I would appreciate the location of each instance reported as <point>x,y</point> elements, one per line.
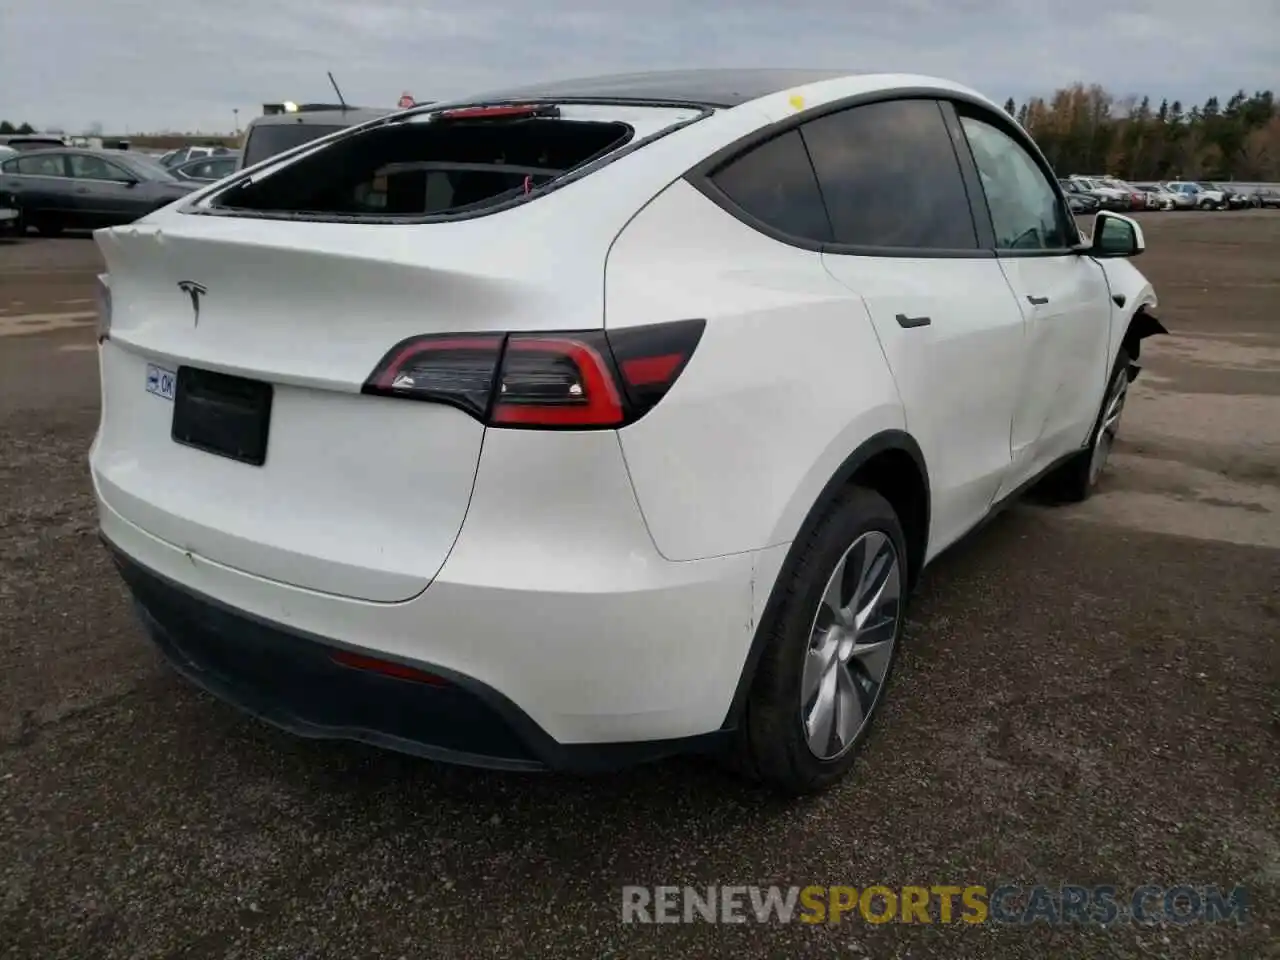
<point>775,184</point>
<point>890,177</point>
<point>48,165</point>
<point>85,167</point>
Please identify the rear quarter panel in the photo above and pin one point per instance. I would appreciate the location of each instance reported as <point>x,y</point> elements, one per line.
<point>787,381</point>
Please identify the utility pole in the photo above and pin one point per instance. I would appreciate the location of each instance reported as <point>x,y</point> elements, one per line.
<point>236,112</point>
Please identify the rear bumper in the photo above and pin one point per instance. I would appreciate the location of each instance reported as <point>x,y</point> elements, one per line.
<point>560,605</point>
<point>291,680</point>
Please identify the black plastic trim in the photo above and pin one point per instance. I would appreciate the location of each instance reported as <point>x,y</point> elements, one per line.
<point>586,169</point>
<point>888,440</point>
<point>969,174</point>
<point>540,750</point>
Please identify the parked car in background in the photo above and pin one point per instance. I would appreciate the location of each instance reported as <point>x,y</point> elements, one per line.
<point>6,152</point>
<point>31,141</point>
<point>10,213</point>
<point>1137,198</point>
<point>663,438</point>
<point>1265,197</point>
<point>1157,197</point>
<point>207,169</point>
<point>184,154</point>
<point>87,189</point>
<point>1079,199</point>
<point>1110,196</point>
<point>275,133</point>
<point>1237,198</point>
<point>1197,196</point>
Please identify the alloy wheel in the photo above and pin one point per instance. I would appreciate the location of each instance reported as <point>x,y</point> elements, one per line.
<point>1110,425</point>
<point>851,645</point>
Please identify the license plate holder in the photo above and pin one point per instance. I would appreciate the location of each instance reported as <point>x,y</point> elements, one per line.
<point>223,415</point>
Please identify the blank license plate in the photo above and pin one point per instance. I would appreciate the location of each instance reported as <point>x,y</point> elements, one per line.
<point>223,415</point>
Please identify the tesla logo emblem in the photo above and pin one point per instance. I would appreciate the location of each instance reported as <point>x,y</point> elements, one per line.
<point>195,291</point>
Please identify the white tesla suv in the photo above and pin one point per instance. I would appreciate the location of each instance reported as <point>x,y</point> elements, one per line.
<point>590,423</point>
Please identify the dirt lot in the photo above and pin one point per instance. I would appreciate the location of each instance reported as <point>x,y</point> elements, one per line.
<point>1089,695</point>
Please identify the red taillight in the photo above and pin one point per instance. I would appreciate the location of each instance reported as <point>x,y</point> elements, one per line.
<point>557,381</point>
<point>576,381</point>
<point>388,668</point>
<point>651,358</point>
<point>453,369</point>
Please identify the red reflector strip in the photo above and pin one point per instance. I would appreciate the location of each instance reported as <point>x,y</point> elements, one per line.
<point>386,667</point>
<point>643,371</point>
<point>509,110</point>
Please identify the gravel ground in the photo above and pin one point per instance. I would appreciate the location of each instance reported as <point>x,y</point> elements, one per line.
<point>1088,695</point>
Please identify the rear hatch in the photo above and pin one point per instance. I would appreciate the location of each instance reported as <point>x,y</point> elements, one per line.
<point>297,285</point>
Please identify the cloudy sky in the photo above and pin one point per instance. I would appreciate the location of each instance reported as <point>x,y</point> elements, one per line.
<point>189,64</point>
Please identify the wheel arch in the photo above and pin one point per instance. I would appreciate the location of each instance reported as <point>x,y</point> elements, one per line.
<point>889,462</point>
<point>1142,323</point>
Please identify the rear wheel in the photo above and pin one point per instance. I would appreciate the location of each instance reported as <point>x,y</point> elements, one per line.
<point>831,646</point>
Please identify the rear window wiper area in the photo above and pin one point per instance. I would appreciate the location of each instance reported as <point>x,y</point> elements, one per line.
<point>456,163</point>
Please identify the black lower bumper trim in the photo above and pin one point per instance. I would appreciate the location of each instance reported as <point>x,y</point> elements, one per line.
<point>290,680</point>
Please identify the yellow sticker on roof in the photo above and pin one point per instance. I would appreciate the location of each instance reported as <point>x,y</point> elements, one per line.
<point>797,102</point>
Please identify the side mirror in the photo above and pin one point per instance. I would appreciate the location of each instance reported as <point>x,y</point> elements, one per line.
<point>1116,236</point>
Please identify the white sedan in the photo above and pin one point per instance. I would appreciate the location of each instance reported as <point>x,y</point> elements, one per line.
<point>588,423</point>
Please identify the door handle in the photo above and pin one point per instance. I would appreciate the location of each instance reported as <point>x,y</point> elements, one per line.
<point>1037,301</point>
<point>908,322</point>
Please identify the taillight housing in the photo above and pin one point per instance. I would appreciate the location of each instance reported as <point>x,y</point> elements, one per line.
<point>102,303</point>
<point>572,380</point>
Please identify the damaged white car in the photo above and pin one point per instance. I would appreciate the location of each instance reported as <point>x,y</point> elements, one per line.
<point>583,424</point>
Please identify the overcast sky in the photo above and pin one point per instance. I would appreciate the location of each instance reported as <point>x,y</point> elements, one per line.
<point>188,64</point>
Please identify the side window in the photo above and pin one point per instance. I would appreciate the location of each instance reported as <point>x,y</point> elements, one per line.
<point>1025,211</point>
<point>774,183</point>
<point>890,177</point>
<point>86,167</point>
<point>42,166</point>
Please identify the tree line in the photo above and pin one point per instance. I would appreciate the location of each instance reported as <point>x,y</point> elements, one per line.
<point>1084,129</point>
<point>7,127</point>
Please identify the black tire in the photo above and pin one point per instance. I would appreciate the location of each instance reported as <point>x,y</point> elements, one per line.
<point>47,226</point>
<point>771,744</point>
<point>1075,480</point>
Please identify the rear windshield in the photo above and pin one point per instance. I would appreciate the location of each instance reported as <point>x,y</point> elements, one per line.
<point>427,168</point>
<point>268,139</point>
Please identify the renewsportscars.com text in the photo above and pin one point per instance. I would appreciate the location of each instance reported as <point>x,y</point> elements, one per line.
<point>1067,904</point>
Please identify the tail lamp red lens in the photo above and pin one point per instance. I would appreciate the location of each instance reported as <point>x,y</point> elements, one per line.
<point>573,380</point>
<point>388,668</point>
